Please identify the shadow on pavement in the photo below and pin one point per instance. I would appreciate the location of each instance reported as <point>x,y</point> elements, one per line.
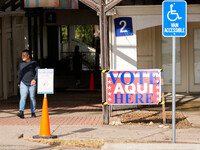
<point>58,103</point>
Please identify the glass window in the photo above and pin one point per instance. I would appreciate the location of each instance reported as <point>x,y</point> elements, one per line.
<point>197,56</point>
<point>167,60</point>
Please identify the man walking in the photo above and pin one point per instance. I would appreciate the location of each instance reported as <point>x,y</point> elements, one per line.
<point>27,76</point>
<point>77,64</point>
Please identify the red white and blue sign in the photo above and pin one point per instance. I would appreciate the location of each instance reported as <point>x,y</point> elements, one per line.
<point>134,87</point>
<point>123,26</point>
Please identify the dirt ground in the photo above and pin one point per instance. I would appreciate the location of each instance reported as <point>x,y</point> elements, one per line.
<point>154,118</point>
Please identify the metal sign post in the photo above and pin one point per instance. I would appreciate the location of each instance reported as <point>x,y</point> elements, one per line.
<point>174,24</point>
<point>173,89</point>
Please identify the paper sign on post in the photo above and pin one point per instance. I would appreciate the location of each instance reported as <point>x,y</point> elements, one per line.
<point>45,81</point>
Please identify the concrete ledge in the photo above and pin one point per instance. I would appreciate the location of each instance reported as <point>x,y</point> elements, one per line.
<point>149,146</point>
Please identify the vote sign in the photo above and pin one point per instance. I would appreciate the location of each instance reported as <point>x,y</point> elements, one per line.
<point>134,87</point>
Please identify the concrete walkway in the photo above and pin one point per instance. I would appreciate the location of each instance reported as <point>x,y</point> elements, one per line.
<point>78,116</point>
<point>150,146</point>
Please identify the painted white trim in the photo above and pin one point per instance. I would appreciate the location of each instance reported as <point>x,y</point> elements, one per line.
<point>144,10</point>
<point>151,15</point>
<point>138,10</point>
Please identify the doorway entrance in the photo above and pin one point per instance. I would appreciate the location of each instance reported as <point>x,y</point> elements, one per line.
<point>187,60</point>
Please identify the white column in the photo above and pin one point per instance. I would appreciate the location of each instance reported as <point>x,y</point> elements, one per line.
<point>25,32</point>
<point>15,54</point>
<point>1,82</point>
<point>4,59</point>
<point>123,51</point>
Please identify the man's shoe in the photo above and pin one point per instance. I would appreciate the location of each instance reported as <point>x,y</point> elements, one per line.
<point>33,115</point>
<point>20,114</point>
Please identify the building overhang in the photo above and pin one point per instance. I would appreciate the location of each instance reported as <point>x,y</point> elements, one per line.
<point>12,13</point>
<point>135,10</point>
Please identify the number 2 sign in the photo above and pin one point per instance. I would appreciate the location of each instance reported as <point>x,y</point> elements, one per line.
<point>123,26</point>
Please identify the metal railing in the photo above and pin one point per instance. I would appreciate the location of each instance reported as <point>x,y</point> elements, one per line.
<point>88,59</point>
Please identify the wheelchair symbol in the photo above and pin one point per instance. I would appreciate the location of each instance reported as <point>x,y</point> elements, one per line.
<point>172,15</point>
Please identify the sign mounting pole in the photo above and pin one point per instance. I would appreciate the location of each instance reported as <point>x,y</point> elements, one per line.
<point>174,24</point>
<point>173,89</point>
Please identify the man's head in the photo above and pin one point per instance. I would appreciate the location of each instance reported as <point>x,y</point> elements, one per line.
<point>76,48</point>
<point>26,55</point>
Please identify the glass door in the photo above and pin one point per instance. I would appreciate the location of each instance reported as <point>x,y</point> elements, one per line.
<point>180,64</point>
<point>194,57</point>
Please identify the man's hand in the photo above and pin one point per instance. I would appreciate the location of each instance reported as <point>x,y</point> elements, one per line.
<point>33,82</point>
<point>19,85</point>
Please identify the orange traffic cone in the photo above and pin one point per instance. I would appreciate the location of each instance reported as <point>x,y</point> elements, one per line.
<point>45,126</point>
<point>92,82</point>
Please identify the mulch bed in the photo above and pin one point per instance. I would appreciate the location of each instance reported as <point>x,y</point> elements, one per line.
<point>154,118</point>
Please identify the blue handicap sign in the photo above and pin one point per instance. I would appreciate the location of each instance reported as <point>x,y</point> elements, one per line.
<point>174,18</point>
<point>123,26</point>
